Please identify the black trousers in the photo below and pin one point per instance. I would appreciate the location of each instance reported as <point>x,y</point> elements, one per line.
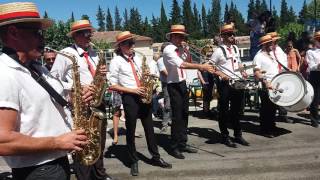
<point>267,112</point>
<point>97,170</point>
<point>229,97</point>
<point>207,96</point>
<point>54,170</point>
<point>314,79</point>
<point>179,101</point>
<point>134,109</point>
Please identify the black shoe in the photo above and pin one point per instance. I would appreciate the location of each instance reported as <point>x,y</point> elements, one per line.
<point>227,141</point>
<point>241,141</point>
<point>188,149</point>
<point>161,163</point>
<point>314,124</point>
<point>107,177</point>
<point>177,154</point>
<point>267,134</point>
<point>134,169</point>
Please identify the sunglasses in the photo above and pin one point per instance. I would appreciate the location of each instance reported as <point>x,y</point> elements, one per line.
<point>85,34</point>
<point>34,30</point>
<point>229,34</point>
<point>127,43</point>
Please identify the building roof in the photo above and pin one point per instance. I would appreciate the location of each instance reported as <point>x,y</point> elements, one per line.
<point>110,36</point>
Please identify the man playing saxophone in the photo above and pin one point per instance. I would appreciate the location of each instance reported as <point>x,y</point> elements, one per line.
<point>125,77</point>
<point>87,60</point>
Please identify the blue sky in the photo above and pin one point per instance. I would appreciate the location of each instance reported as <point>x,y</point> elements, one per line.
<point>61,9</point>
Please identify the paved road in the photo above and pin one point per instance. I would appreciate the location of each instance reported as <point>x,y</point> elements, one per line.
<point>293,154</point>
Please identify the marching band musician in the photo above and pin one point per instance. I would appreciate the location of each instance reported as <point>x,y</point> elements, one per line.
<point>313,61</point>
<point>265,61</point>
<point>28,143</point>
<point>125,70</point>
<point>87,59</point>
<point>281,56</point>
<point>227,56</point>
<point>177,89</point>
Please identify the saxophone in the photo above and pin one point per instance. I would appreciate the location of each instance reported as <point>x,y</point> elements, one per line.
<point>147,80</point>
<point>84,117</point>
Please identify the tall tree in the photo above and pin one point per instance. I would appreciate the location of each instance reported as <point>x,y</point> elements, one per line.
<point>85,17</point>
<point>188,17</point>
<point>101,19</point>
<point>284,13</point>
<point>215,17</point>
<point>117,19</point>
<point>175,13</point>
<point>236,17</point>
<point>197,23</point>
<point>264,6</point>
<point>303,14</point>
<point>204,21</point>
<point>292,15</point>
<point>156,34</point>
<point>45,15</point>
<point>275,17</point>
<point>226,13</point>
<point>135,21</point>
<point>146,28</point>
<point>72,19</point>
<point>125,20</point>
<point>251,10</point>
<point>109,24</point>
<point>258,7</point>
<point>163,24</point>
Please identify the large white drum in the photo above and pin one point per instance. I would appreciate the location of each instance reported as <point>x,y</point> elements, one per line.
<point>291,91</point>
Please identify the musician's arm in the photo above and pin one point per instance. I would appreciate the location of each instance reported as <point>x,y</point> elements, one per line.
<point>311,61</point>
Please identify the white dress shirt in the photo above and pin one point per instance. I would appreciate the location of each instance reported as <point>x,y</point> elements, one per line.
<point>266,62</point>
<point>172,63</point>
<point>37,114</point>
<point>231,63</point>
<point>161,68</point>
<point>281,56</point>
<point>62,67</point>
<point>313,59</point>
<point>121,71</point>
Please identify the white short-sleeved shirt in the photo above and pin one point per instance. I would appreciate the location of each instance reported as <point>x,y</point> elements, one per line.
<point>172,62</point>
<point>313,59</point>
<point>153,68</point>
<point>38,114</point>
<point>231,62</point>
<point>62,67</point>
<point>121,72</point>
<point>161,68</point>
<point>267,63</point>
<point>281,56</point>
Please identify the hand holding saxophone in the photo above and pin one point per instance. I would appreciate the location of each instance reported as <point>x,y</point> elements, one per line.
<point>87,93</point>
<point>72,141</point>
<point>141,91</point>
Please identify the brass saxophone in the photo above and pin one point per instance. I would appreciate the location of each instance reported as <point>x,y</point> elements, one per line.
<point>84,117</point>
<point>147,80</point>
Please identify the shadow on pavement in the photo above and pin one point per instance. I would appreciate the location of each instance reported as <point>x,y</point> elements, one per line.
<point>212,136</point>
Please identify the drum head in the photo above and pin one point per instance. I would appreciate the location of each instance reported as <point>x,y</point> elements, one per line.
<point>292,87</point>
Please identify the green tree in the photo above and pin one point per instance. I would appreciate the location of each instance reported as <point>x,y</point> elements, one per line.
<point>197,23</point>
<point>226,13</point>
<point>291,16</point>
<point>264,6</point>
<point>117,19</point>
<point>236,17</point>
<point>163,24</point>
<point>275,17</point>
<point>56,36</point>
<point>156,34</point>
<point>215,18</point>
<point>291,27</point>
<point>175,13</point>
<point>284,19</point>
<point>45,15</point>
<point>85,17</point>
<point>72,19</point>
<point>187,17</point>
<point>135,21</point>
<point>101,19</point>
<point>251,10</point>
<point>303,14</point>
<point>109,24</point>
<point>204,21</point>
<point>258,7</point>
<point>125,20</point>
<point>146,28</point>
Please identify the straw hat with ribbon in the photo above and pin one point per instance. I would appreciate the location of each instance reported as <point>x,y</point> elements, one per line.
<point>265,39</point>
<point>275,36</point>
<point>227,28</point>
<point>177,29</point>
<point>124,36</point>
<point>317,35</point>
<point>80,26</point>
<point>22,12</point>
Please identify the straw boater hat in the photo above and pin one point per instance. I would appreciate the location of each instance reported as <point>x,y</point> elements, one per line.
<point>123,36</point>
<point>317,35</point>
<point>275,36</point>
<point>22,12</point>
<point>80,26</point>
<point>177,29</point>
<point>265,39</point>
<point>227,28</point>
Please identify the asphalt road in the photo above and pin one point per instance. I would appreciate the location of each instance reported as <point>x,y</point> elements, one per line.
<point>292,154</point>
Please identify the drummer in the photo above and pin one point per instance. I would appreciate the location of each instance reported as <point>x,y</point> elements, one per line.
<point>265,61</point>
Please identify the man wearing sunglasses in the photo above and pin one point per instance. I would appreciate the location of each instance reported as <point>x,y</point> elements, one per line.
<point>125,77</point>
<point>227,57</point>
<point>87,59</point>
<point>34,135</point>
<point>49,57</point>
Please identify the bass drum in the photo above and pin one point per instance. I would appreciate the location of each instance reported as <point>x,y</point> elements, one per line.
<point>291,91</point>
